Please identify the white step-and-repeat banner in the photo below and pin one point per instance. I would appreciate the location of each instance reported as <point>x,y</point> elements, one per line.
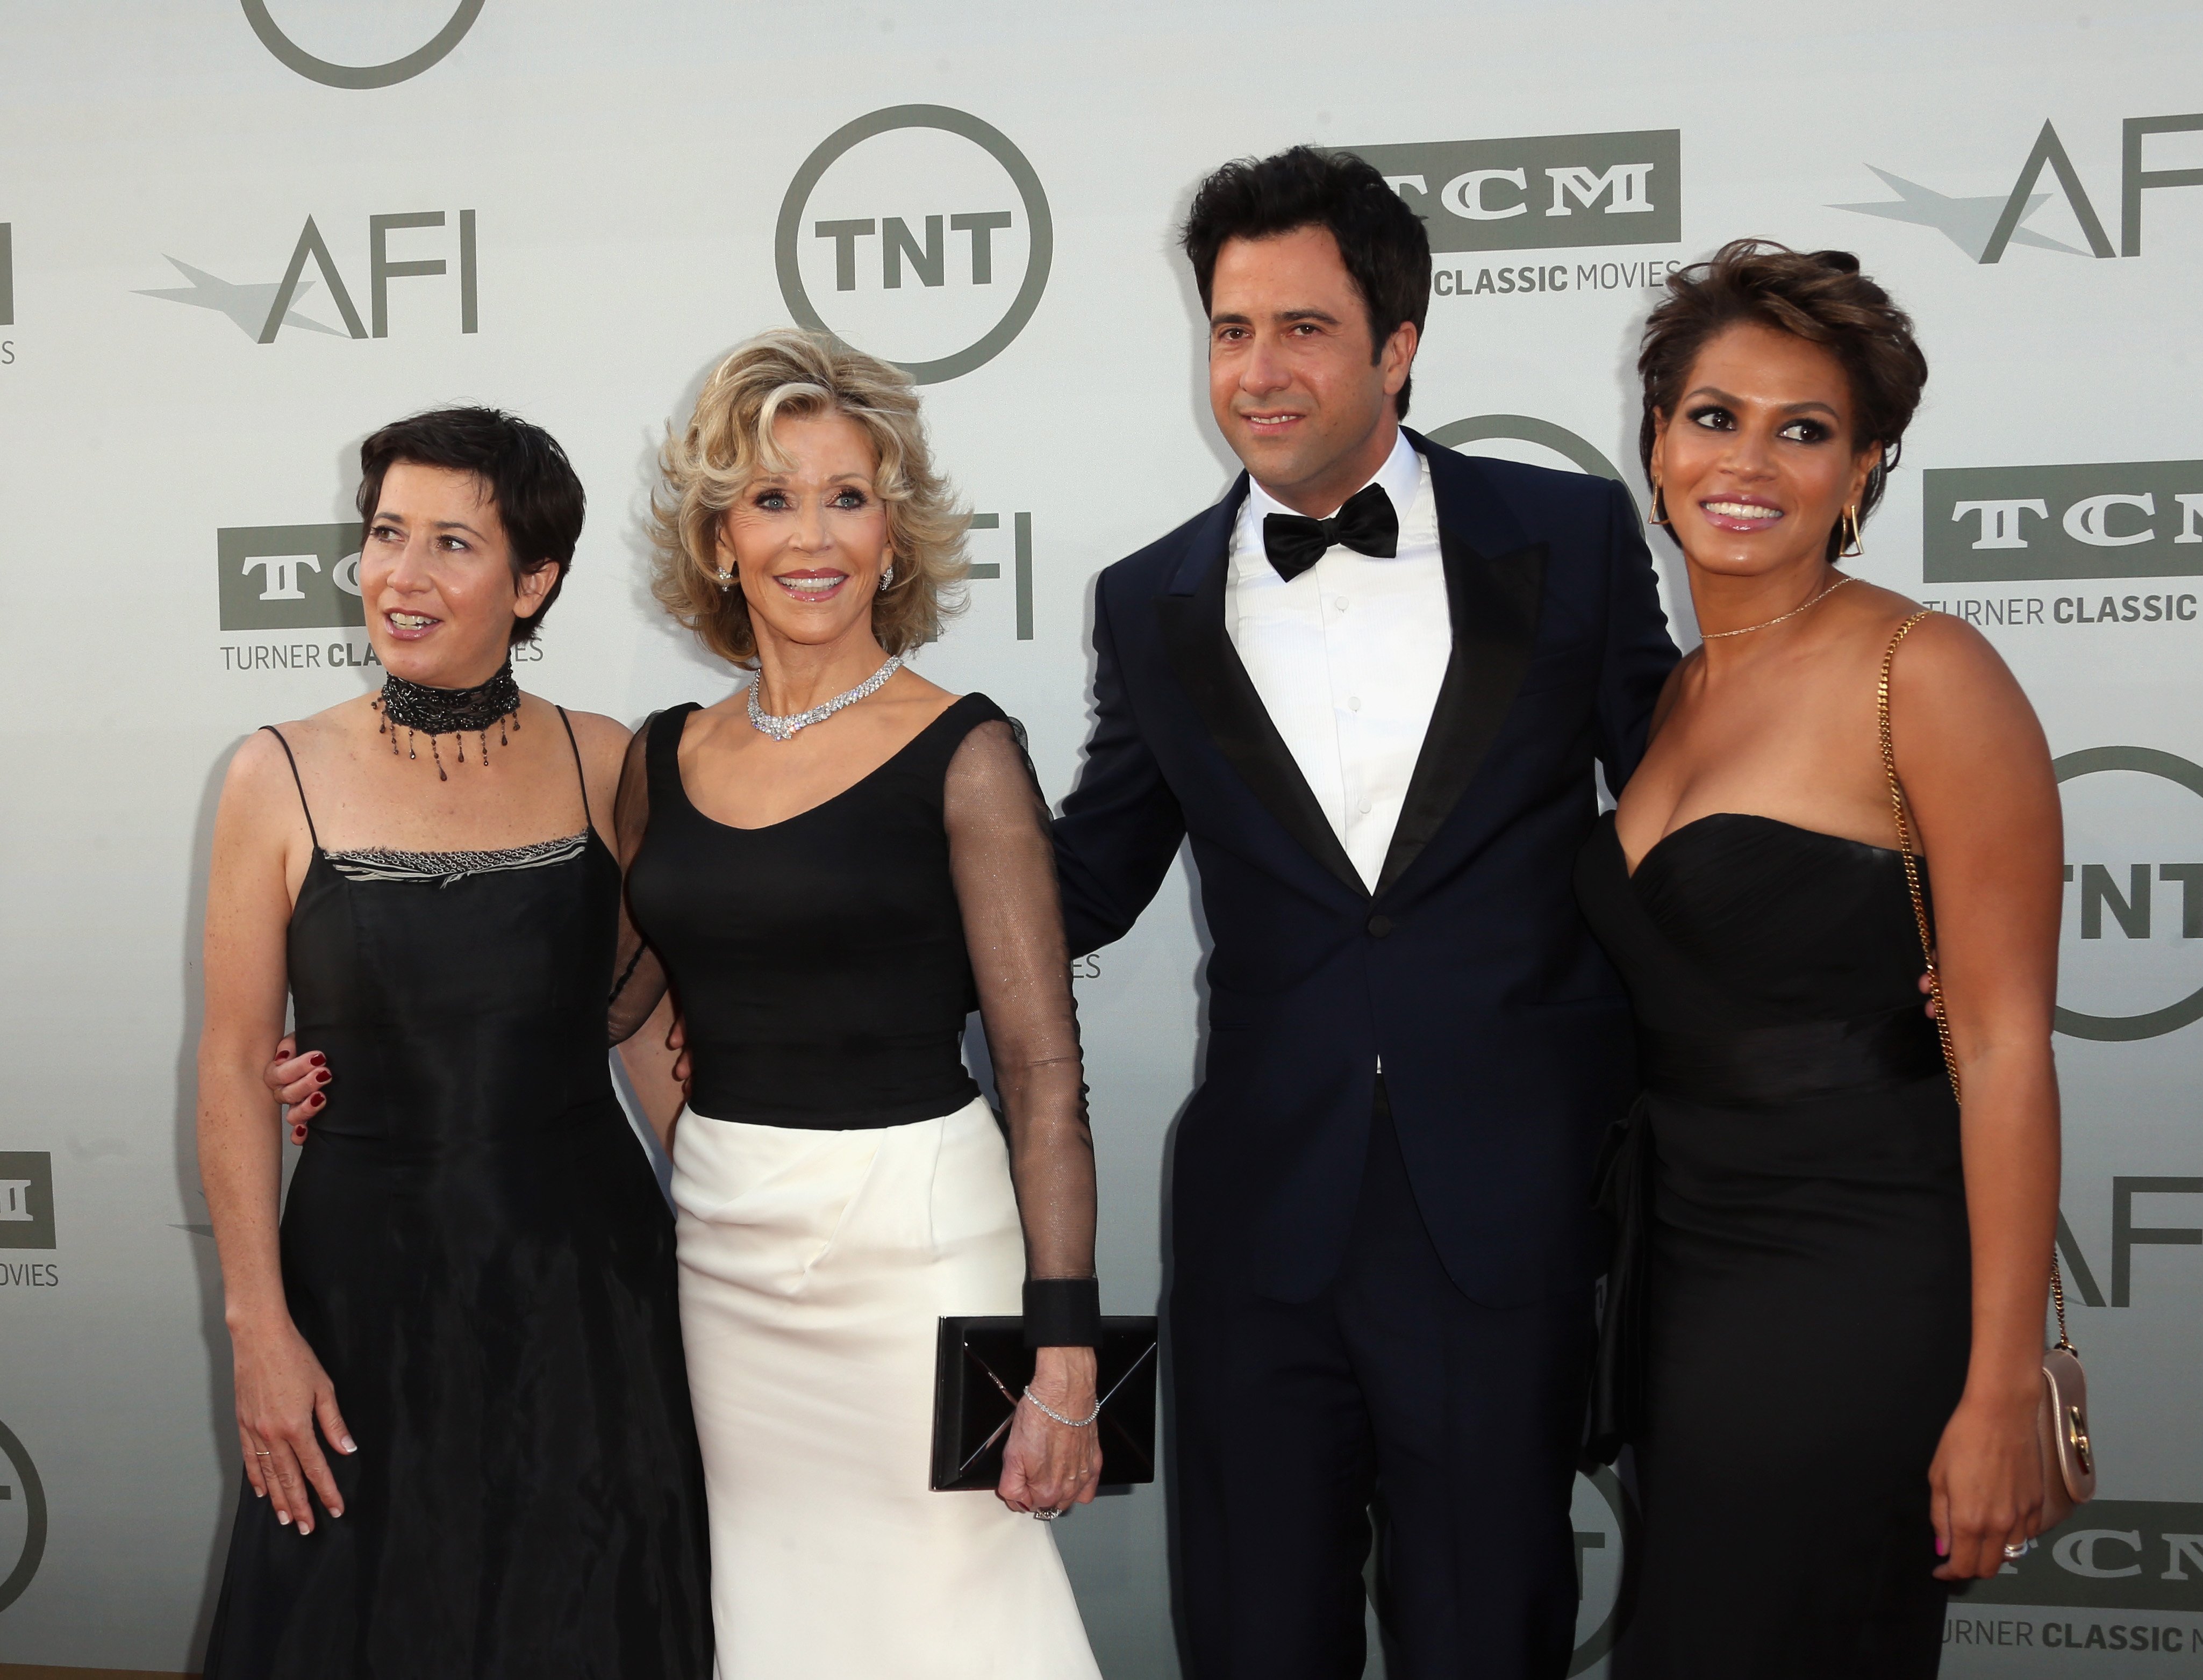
<point>237,236</point>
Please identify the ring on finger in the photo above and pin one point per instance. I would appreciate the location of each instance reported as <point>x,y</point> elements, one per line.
<point>2016,1552</point>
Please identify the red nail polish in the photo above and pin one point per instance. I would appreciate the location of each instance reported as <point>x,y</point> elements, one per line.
<point>322,1077</point>
<point>317,1100</point>
<point>1942,1546</point>
<point>317,1058</point>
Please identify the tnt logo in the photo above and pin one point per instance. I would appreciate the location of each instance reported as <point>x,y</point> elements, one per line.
<point>2131,966</point>
<point>919,233</point>
<point>26,1199</point>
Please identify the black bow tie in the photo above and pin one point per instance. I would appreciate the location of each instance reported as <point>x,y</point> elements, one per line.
<point>1367,524</point>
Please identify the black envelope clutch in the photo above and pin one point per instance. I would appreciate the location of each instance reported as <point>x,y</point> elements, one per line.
<point>980,1372</point>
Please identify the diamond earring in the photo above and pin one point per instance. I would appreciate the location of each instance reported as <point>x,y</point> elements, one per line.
<point>726,579</point>
<point>887,577</point>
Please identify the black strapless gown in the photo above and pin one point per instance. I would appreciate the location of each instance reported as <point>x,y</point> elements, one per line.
<point>1809,1274</point>
<point>476,1247</point>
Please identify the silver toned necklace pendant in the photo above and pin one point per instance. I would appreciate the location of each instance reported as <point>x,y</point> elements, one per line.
<point>784,728</point>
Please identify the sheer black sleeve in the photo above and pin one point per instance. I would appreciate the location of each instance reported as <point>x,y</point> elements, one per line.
<point>1003,862</point>
<point>638,980</point>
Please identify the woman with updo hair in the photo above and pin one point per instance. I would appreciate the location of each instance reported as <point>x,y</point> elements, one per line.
<point>833,867</point>
<point>1844,1274</point>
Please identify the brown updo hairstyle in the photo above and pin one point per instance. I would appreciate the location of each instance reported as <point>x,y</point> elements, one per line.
<point>705,468</point>
<point>1818,295</point>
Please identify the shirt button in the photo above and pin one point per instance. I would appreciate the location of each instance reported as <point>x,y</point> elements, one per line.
<point>1354,703</point>
<point>1362,805</point>
<point>1338,602</point>
<point>1379,926</point>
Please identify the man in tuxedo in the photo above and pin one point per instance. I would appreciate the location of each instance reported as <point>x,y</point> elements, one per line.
<point>1370,685</point>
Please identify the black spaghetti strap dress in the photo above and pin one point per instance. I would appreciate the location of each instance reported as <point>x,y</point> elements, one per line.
<point>476,1247</point>
<point>1810,1277</point>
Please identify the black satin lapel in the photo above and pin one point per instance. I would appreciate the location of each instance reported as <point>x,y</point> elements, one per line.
<point>1493,605</point>
<point>1209,669</point>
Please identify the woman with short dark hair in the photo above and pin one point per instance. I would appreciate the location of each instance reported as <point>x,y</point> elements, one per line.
<point>470,1290</point>
<point>1845,1276</point>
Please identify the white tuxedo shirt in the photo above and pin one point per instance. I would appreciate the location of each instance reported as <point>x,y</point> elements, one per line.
<point>1349,656</point>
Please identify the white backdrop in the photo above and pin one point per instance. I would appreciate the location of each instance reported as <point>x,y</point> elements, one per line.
<point>574,211</point>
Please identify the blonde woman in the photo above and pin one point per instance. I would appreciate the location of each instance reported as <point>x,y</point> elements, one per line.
<point>833,866</point>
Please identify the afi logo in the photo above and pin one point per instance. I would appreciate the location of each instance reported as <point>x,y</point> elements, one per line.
<point>262,311</point>
<point>1985,227</point>
<point>1541,191</point>
<point>2111,519</point>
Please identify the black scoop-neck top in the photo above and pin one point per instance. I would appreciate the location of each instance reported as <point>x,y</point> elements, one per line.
<point>819,963</point>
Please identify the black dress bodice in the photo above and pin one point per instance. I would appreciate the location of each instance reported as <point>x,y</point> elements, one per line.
<point>1808,1275</point>
<point>475,1248</point>
<point>820,963</point>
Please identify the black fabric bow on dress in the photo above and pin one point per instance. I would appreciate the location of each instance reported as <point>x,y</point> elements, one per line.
<point>1367,524</point>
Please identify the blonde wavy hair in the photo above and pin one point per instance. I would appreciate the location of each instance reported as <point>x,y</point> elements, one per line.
<point>729,442</point>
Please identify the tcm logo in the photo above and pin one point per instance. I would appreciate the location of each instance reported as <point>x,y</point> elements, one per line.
<point>26,1199</point>
<point>1542,193</point>
<point>2013,524</point>
<point>263,310</point>
<point>2131,962</point>
<point>1986,228</point>
<point>2110,1554</point>
<point>290,577</point>
<point>22,1517</point>
<point>388,35</point>
<point>919,233</point>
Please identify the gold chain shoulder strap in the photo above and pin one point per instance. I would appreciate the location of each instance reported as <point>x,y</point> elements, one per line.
<point>1898,809</point>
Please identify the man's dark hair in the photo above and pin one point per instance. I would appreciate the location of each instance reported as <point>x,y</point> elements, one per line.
<point>1382,241</point>
<point>538,497</point>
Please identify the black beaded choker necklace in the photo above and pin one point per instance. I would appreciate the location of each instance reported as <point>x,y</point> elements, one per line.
<point>414,706</point>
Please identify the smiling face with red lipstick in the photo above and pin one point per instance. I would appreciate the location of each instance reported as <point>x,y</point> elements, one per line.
<point>1756,465</point>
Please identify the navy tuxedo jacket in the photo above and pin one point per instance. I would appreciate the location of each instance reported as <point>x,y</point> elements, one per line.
<point>1505,1035</point>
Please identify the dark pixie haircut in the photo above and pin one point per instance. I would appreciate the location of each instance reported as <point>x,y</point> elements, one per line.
<point>527,476</point>
<point>1382,241</point>
<point>1818,295</point>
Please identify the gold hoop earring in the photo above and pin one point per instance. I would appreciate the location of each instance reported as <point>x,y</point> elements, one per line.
<point>1659,514</point>
<point>1850,548</point>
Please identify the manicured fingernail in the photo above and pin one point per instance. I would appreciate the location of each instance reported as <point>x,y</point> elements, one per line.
<point>322,1077</point>
<point>317,1058</point>
<point>1942,1546</point>
<point>298,1134</point>
<point>317,1100</point>
<point>283,1517</point>
<point>346,1443</point>
<point>304,1527</point>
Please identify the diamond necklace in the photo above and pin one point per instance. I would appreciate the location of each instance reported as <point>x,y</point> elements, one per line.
<point>1715,635</point>
<point>414,706</point>
<point>784,728</point>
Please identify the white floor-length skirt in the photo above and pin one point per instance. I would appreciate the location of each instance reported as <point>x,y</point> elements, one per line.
<point>814,1266</point>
